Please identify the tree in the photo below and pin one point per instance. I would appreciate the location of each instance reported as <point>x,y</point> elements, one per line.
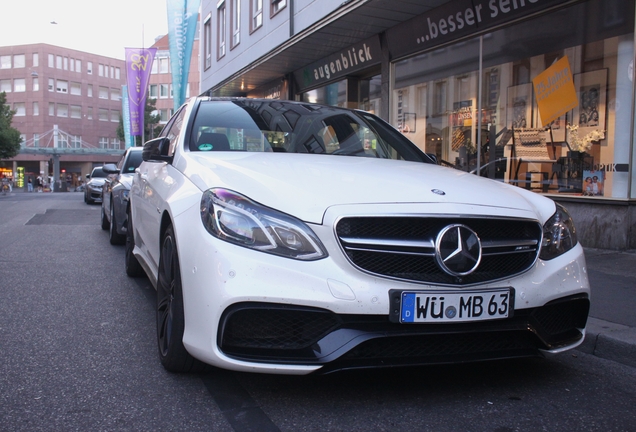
<point>151,130</point>
<point>10,139</point>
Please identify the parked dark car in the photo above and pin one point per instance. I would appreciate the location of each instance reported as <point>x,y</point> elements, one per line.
<point>94,183</point>
<point>115,194</point>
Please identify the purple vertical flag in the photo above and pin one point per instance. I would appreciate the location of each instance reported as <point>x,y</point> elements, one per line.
<point>138,66</point>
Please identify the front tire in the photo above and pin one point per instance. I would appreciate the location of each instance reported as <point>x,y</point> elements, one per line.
<point>170,315</point>
<point>133,268</point>
<point>114,237</point>
<point>105,224</point>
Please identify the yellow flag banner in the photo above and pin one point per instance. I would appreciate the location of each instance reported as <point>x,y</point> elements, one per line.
<point>554,91</point>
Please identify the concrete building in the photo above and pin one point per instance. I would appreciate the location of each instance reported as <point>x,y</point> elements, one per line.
<point>67,104</point>
<point>469,81</point>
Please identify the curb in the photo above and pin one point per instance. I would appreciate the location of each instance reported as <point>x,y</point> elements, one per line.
<point>610,341</point>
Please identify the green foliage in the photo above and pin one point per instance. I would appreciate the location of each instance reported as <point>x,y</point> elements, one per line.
<point>9,137</point>
<point>151,128</point>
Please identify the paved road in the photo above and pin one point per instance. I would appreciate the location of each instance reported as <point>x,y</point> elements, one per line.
<point>77,352</point>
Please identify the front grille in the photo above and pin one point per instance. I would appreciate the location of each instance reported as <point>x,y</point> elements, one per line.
<point>404,247</point>
<point>274,333</point>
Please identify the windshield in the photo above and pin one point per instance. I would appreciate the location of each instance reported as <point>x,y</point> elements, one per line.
<point>281,126</point>
<point>98,172</point>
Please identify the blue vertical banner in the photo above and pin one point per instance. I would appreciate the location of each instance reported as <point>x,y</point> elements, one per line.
<point>125,107</point>
<point>182,24</point>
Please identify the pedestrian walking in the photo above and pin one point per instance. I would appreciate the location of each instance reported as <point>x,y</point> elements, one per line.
<point>30,185</point>
<point>38,183</point>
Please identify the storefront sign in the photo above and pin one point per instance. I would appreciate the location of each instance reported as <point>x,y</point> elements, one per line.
<point>554,91</point>
<point>355,58</point>
<point>455,19</point>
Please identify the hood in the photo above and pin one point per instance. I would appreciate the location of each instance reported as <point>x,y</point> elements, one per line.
<point>306,185</point>
<point>97,181</point>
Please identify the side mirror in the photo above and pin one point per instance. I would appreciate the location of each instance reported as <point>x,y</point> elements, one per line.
<point>110,169</point>
<point>156,150</point>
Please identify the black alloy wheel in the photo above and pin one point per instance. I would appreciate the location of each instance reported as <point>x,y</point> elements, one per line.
<point>133,268</point>
<point>170,315</point>
<point>104,219</point>
<point>114,237</point>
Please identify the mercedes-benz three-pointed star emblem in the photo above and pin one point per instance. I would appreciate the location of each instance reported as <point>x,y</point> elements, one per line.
<point>458,250</point>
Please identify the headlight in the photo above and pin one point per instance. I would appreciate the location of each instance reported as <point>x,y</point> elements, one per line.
<point>236,219</point>
<point>559,234</point>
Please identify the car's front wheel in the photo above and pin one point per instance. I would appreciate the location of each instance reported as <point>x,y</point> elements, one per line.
<point>133,268</point>
<point>170,315</point>
<point>115,237</point>
<point>105,223</point>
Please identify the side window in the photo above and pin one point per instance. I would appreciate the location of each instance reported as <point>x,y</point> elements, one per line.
<point>174,129</point>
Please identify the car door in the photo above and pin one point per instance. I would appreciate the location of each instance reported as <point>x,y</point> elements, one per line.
<point>154,186</point>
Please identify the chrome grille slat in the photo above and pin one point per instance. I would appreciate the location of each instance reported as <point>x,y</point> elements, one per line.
<point>404,247</point>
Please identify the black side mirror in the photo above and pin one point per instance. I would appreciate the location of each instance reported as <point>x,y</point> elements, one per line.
<point>110,168</point>
<point>156,150</point>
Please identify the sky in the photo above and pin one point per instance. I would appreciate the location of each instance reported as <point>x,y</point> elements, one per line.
<point>98,27</point>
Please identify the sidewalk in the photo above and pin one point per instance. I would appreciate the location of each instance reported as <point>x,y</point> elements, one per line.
<point>611,328</point>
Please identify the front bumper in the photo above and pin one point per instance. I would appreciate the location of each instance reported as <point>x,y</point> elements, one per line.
<point>249,311</point>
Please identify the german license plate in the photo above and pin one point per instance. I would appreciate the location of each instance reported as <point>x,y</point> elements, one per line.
<point>444,306</point>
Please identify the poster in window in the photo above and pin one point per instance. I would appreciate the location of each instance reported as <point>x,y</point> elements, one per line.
<point>591,89</point>
<point>593,182</point>
<point>519,109</point>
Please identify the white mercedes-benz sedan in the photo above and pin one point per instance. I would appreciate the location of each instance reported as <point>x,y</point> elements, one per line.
<point>294,238</point>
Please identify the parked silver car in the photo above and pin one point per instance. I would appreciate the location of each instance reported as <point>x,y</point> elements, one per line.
<point>115,194</point>
<point>94,182</point>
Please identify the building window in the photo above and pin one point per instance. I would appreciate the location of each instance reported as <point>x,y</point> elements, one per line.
<point>58,62</point>
<point>114,116</point>
<point>163,91</point>
<point>256,14</point>
<point>152,92</point>
<point>36,84</point>
<point>62,86</point>
<point>112,71</point>
<point>103,92</point>
<point>103,142</point>
<point>103,114</point>
<point>277,6</point>
<point>19,109</point>
<point>78,66</point>
<point>116,143</point>
<point>51,109</point>
<point>89,90</point>
<point>207,42</point>
<point>164,114</point>
<point>89,113</point>
<point>76,141</point>
<point>51,61</point>
<point>18,61</point>
<point>36,108</point>
<point>89,68</point>
<point>117,73</point>
<point>36,140</point>
<point>19,85</point>
<point>36,60</point>
<point>115,94</point>
<point>62,141</point>
<point>5,86</point>
<point>51,84</point>
<point>65,61</point>
<point>5,62</point>
<point>100,70</point>
<point>220,28</point>
<point>76,88</point>
<point>76,111</point>
<point>235,12</point>
<point>164,65</point>
<point>62,110</point>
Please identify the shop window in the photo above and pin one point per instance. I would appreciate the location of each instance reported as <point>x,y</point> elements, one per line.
<point>576,144</point>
